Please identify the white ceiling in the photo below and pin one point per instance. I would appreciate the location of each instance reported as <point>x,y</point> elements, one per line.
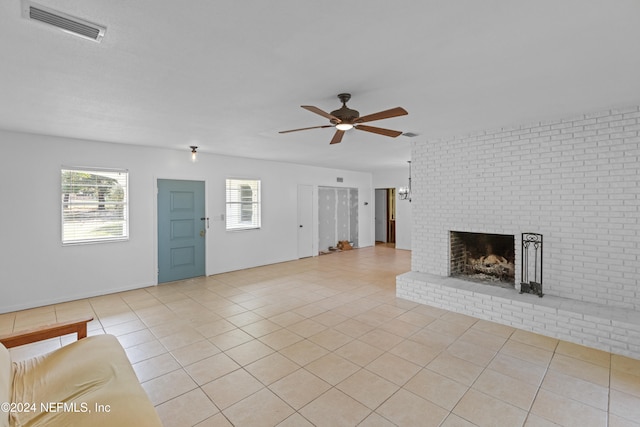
<point>227,75</point>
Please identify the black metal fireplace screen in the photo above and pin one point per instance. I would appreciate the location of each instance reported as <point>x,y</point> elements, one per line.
<point>531,271</point>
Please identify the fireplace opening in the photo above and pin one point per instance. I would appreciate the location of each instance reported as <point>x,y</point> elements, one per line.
<point>482,257</point>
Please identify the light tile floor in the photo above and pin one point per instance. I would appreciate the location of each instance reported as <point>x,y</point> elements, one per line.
<point>324,341</point>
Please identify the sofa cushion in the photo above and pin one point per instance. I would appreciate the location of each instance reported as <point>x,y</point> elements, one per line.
<point>87,383</point>
<point>6,375</point>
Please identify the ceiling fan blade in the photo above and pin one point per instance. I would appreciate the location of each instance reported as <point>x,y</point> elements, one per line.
<point>386,114</point>
<point>322,113</point>
<point>337,137</point>
<point>312,127</point>
<point>380,131</point>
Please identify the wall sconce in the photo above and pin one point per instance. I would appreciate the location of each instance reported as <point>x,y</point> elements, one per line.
<point>404,193</point>
<point>194,153</point>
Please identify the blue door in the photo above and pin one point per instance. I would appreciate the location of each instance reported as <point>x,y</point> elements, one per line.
<point>181,229</point>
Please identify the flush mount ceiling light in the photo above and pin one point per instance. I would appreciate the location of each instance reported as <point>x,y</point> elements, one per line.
<point>194,153</point>
<point>64,22</point>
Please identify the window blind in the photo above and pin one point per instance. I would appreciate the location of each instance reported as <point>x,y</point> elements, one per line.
<point>243,204</point>
<point>94,205</point>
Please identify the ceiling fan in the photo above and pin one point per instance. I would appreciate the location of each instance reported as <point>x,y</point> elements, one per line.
<point>345,118</point>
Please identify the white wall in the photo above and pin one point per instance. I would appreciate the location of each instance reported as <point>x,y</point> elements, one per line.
<point>396,178</point>
<point>35,269</point>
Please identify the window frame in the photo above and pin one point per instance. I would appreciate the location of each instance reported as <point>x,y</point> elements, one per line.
<point>237,201</point>
<point>68,238</point>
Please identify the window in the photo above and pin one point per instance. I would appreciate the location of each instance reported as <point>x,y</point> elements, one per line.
<point>94,205</point>
<point>243,204</point>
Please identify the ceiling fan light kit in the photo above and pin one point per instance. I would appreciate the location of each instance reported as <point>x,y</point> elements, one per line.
<point>344,119</point>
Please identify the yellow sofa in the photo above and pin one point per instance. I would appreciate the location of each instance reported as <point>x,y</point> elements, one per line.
<point>87,383</point>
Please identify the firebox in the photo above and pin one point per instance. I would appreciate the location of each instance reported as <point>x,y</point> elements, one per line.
<point>483,257</point>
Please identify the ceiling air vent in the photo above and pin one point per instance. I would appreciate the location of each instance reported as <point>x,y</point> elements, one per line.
<point>67,23</point>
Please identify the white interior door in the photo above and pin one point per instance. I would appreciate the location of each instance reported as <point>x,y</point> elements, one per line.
<point>305,221</point>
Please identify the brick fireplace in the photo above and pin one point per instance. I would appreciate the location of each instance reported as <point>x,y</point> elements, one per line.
<point>574,180</point>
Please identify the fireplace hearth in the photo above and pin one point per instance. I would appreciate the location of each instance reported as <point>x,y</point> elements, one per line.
<point>483,257</point>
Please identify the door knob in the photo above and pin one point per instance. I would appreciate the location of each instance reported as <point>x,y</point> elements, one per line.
<point>202,233</point>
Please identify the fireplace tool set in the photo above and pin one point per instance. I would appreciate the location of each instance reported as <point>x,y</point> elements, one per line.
<point>531,264</point>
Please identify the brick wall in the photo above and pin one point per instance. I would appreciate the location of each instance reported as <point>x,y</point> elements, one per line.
<point>574,180</point>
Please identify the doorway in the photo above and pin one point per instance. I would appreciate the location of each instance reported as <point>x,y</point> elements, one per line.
<point>181,229</point>
<point>385,216</point>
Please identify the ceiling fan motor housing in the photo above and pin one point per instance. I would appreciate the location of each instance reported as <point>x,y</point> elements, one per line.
<point>345,114</point>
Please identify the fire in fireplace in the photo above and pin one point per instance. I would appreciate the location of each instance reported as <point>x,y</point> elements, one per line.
<point>482,257</point>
